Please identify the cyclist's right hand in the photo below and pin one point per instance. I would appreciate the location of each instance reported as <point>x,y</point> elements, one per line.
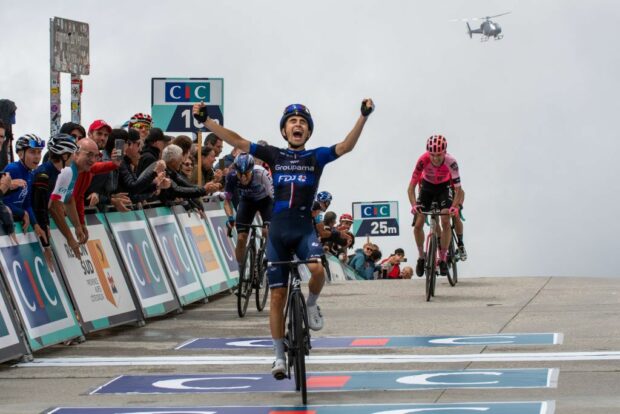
<point>416,209</point>
<point>230,223</point>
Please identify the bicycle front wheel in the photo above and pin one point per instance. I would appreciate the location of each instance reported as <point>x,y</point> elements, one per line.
<point>245,282</point>
<point>299,336</point>
<point>453,272</point>
<point>431,268</point>
<point>262,284</point>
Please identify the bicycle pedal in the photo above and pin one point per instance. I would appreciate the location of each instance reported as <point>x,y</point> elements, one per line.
<point>280,376</point>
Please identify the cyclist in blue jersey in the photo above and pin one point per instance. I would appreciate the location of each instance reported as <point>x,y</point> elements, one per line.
<point>296,172</point>
<point>255,190</point>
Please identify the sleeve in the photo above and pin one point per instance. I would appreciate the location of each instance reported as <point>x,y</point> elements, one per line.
<point>133,185</point>
<point>325,155</point>
<point>266,153</point>
<point>266,181</point>
<point>103,167</point>
<point>231,185</point>
<point>63,190</point>
<point>454,172</point>
<point>417,171</point>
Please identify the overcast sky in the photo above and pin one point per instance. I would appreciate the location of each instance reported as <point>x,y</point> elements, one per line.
<point>531,118</point>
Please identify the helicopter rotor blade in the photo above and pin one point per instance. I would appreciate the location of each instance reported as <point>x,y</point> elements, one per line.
<point>497,15</point>
<point>472,19</point>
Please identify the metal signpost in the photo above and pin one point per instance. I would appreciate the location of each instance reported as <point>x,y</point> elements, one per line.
<point>69,53</point>
<point>375,218</point>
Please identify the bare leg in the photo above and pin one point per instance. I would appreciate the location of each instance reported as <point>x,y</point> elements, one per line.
<point>418,233</point>
<point>242,241</point>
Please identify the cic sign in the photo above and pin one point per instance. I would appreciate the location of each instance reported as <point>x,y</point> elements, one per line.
<point>172,100</point>
<point>375,218</point>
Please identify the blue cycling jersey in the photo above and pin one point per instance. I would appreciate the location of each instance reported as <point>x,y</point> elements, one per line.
<point>296,174</point>
<point>18,200</point>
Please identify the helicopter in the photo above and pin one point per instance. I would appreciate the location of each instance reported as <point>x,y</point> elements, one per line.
<point>488,28</point>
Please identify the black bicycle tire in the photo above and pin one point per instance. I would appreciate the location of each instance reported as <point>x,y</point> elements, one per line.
<point>434,272</point>
<point>245,282</point>
<point>262,287</point>
<point>452,273</point>
<point>430,268</point>
<point>300,347</point>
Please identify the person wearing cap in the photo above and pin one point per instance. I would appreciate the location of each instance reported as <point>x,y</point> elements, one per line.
<point>99,131</point>
<point>145,186</point>
<point>101,186</point>
<point>344,226</point>
<point>391,266</point>
<point>142,123</point>
<point>154,144</point>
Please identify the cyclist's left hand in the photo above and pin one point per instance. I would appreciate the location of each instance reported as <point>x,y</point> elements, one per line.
<point>367,107</point>
<point>454,211</point>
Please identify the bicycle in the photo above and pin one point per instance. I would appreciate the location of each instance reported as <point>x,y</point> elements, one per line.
<point>297,336</point>
<point>252,273</point>
<point>432,252</point>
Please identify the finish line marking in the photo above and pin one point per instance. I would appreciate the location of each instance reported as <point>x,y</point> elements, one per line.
<point>320,359</point>
<point>333,381</point>
<point>526,407</point>
<point>383,341</point>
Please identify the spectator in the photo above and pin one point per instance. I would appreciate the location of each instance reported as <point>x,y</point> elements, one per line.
<point>7,117</point>
<point>209,175</point>
<point>102,185</point>
<point>6,217</point>
<point>60,148</point>
<point>141,123</point>
<point>390,267</point>
<point>154,144</point>
<point>407,272</point>
<point>137,188</point>
<point>19,199</point>
<point>226,161</point>
<point>344,227</point>
<point>70,188</point>
<point>216,143</point>
<point>75,130</point>
<point>364,261</point>
<point>179,187</point>
<point>185,143</point>
<point>187,168</point>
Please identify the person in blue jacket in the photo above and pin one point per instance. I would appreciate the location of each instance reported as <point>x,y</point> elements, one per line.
<point>364,261</point>
<point>28,148</point>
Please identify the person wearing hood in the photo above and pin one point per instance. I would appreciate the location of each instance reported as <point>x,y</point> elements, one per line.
<point>154,144</point>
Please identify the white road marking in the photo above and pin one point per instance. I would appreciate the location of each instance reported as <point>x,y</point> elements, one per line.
<point>322,359</point>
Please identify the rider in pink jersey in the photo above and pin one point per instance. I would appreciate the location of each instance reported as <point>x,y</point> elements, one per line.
<point>436,173</point>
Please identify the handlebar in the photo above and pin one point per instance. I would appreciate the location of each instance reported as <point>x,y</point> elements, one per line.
<point>294,262</point>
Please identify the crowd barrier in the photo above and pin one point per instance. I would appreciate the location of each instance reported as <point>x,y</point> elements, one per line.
<point>136,265</point>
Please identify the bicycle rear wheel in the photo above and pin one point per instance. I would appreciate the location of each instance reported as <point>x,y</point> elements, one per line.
<point>299,345</point>
<point>245,282</point>
<point>453,272</point>
<point>431,254</point>
<point>262,287</point>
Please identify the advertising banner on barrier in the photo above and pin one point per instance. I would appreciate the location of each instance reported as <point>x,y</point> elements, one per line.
<point>11,343</point>
<point>97,283</point>
<point>141,259</point>
<point>175,255</point>
<point>216,220</point>
<point>335,268</point>
<point>40,298</point>
<point>210,269</point>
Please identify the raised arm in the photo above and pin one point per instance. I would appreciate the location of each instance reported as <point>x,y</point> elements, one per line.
<point>228,136</point>
<point>351,139</point>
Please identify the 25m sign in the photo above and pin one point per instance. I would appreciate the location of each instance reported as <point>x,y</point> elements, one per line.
<point>375,218</point>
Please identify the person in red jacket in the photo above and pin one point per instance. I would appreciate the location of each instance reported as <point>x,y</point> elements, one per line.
<point>390,267</point>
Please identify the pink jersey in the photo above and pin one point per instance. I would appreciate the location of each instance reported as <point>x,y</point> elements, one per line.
<point>425,170</point>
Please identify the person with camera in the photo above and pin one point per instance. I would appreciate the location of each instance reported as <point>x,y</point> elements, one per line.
<point>390,267</point>
<point>296,172</point>
<point>364,261</point>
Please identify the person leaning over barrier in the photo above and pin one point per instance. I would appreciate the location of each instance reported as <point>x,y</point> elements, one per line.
<point>68,195</point>
<point>180,189</point>
<point>60,148</point>
<point>146,185</point>
<point>296,176</point>
<point>18,199</point>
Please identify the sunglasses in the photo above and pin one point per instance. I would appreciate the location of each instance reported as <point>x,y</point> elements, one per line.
<point>296,108</point>
<point>188,164</point>
<point>141,126</point>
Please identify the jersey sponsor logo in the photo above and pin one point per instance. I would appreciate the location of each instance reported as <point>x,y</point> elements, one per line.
<point>294,167</point>
<point>454,166</point>
<point>285,178</point>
